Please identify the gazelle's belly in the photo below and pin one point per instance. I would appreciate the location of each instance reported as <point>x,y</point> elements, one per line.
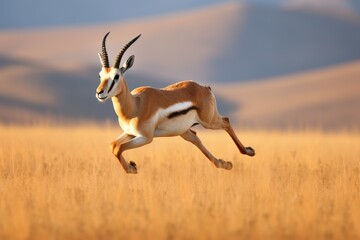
<point>176,125</point>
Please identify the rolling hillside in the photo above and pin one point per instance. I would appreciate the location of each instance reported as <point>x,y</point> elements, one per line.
<point>323,99</point>
<point>52,73</point>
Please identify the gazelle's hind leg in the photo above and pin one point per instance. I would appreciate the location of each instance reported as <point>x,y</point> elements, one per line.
<point>228,128</point>
<point>224,123</point>
<point>190,136</point>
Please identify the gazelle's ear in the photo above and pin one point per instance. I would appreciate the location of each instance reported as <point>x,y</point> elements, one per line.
<point>101,60</point>
<point>128,64</point>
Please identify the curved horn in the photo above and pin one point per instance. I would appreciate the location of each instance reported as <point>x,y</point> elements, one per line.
<point>104,55</point>
<point>121,53</point>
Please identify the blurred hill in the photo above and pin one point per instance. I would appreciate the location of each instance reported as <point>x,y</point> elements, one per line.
<point>43,13</point>
<point>53,72</point>
<point>325,99</point>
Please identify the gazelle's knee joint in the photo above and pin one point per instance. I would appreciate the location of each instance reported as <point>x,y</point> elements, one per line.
<point>114,148</point>
<point>226,119</point>
<point>226,123</point>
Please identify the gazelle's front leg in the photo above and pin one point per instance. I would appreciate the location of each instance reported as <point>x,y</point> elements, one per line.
<point>118,147</point>
<point>114,147</point>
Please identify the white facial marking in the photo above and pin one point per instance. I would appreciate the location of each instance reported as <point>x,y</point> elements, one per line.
<point>111,83</point>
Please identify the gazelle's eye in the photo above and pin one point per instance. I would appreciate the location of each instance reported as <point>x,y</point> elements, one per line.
<point>116,77</point>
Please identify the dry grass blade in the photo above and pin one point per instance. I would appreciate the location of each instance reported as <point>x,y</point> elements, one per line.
<point>64,183</point>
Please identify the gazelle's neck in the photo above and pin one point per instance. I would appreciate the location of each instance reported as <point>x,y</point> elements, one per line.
<point>124,103</point>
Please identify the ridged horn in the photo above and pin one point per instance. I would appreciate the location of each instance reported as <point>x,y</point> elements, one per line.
<point>104,55</point>
<point>121,53</point>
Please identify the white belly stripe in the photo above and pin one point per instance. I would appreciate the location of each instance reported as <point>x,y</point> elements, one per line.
<point>174,108</point>
<point>177,125</point>
<point>165,126</point>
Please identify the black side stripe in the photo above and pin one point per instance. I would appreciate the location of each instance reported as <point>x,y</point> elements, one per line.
<point>112,85</point>
<point>182,112</point>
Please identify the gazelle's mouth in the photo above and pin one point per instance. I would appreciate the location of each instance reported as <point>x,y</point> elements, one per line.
<point>101,99</point>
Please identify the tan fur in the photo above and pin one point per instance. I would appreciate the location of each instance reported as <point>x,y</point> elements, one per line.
<point>102,85</point>
<point>137,108</point>
<point>149,100</point>
<point>142,114</point>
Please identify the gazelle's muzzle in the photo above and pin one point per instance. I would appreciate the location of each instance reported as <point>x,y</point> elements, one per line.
<point>101,95</point>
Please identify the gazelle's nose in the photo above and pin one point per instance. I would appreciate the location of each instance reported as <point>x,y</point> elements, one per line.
<point>100,92</point>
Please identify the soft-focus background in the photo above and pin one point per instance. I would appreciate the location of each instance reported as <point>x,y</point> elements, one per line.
<point>287,73</point>
<point>272,63</point>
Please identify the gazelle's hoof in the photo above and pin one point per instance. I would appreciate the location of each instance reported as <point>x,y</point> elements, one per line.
<point>132,168</point>
<point>223,164</point>
<point>250,151</point>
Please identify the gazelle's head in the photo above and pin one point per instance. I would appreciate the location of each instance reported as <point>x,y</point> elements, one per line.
<point>110,77</point>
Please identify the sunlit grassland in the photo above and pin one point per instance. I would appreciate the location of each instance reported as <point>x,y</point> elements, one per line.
<point>64,183</point>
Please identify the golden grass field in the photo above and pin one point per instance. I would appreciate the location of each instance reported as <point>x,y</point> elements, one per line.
<point>64,183</point>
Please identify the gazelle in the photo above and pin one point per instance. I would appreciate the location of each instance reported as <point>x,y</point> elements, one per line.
<point>146,112</point>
